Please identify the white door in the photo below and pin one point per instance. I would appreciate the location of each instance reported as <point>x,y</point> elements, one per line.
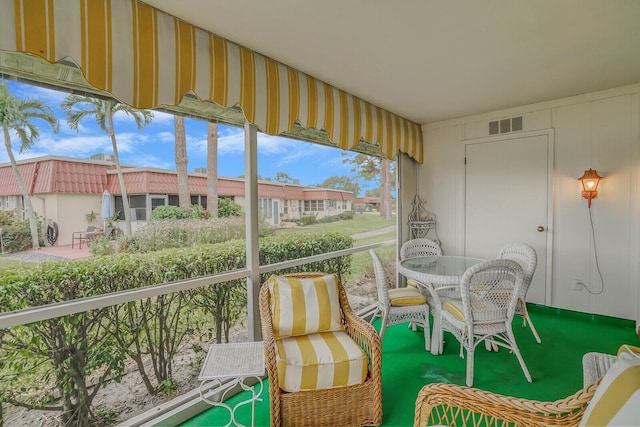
<point>276,213</point>
<point>507,199</point>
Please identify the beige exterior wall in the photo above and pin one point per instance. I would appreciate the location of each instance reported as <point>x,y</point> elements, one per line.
<point>69,211</point>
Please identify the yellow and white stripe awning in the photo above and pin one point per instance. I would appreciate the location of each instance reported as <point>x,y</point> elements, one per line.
<point>147,58</point>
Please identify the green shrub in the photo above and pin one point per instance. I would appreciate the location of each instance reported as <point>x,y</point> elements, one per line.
<point>308,219</point>
<point>101,245</point>
<point>196,212</point>
<point>15,233</point>
<point>163,234</point>
<point>299,245</point>
<point>80,353</point>
<point>168,212</point>
<point>227,207</point>
<point>332,218</point>
<point>346,215</point>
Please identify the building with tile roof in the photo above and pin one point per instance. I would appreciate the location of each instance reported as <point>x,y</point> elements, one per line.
<point>65,190</point>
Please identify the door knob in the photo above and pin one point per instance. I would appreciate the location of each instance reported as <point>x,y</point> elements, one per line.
<point>540,228</point>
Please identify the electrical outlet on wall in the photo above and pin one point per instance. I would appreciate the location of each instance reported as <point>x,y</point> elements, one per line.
<point>578,285</point>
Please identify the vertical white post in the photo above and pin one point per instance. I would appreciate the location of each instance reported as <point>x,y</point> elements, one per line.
<point>406,188</point>
<point>251,227</point>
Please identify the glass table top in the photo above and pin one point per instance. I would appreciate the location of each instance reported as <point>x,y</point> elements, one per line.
<point>440,265</point>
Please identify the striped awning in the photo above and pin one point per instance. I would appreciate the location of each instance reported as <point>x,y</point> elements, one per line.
<point>147,58</point>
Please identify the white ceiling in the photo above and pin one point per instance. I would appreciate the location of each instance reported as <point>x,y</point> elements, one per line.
<point>430,60</point>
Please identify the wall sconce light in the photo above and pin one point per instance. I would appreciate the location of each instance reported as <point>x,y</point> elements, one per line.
<point>590,181</point>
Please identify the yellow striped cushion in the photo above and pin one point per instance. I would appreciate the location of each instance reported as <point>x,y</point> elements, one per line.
<point>305,306</point>
<point>617,398</point>
<point>629,348</point>
<point>318,361</point>
<point>406,296</point>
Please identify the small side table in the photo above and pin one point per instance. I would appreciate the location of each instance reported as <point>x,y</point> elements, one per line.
<point>238,361</point>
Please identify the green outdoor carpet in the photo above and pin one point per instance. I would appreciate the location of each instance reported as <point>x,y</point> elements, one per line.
<point>555,364</point>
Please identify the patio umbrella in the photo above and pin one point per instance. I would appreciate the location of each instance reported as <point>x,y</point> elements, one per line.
<point>105,210</point>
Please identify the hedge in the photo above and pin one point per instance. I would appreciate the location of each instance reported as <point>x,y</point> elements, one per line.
<point>64,353</point>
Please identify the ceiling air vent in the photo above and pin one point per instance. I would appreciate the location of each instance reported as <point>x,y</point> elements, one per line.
<point>505,125</point>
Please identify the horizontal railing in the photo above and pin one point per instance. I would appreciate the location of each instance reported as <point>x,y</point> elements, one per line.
<point>189,404</point>
<point>80,305</point>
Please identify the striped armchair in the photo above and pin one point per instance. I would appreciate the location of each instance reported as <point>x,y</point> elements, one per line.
<point>306,316</point>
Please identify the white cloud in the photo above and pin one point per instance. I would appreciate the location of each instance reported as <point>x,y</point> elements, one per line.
<point>80,146</point>
<point>162,118</point>
<point>129,142</point>
<point>231,144</point>
<point>146,160</point>
<point>52,98</point>
<point>166,137</point>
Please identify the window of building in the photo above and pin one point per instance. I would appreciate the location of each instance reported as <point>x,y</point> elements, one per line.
<point>332,204</point>
<point>313,205</point>
<point>137,206</point>
<point>266,207</point>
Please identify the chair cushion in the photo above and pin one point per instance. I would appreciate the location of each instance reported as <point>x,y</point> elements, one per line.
<point>302,306</point>
<point>412,283</point>
<point>406,296</point>
<point>628,348</point>
<point>319,361</point>
<point>483,310</point>
<point>617,398</point>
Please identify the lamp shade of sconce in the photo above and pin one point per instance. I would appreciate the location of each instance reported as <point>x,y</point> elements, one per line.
<point>590,181</point>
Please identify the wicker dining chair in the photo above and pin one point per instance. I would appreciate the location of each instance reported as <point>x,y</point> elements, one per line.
<point>490,292</point>
<point>419,247</point>
<point>526,256</point>
<point>348,405</point>
<point>400,305</point>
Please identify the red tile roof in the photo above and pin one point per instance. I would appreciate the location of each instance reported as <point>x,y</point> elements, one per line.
<point>55,175</point>
<point>66,175</point>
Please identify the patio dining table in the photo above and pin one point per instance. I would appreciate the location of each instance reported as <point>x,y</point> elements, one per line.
<point>433,273</point>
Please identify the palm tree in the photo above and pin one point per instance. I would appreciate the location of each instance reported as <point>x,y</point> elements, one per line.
<point>184,197</point>
<point>212,169</point>
<point>16,115</point>
<point>78,107</point>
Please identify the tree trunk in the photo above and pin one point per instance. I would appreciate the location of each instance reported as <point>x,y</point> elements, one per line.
<point>33,223</point>
<point>184,197</point>
<point>385,190</point>
<point>212,169</point>
<point>123,188</point>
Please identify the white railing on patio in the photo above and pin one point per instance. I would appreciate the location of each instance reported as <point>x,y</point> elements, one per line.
<point>189,404</point>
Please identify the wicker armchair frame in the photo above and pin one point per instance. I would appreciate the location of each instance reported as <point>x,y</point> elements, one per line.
<point>455,405</point>
<point>355,405</point>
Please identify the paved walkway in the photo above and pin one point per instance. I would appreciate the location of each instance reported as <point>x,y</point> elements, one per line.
<point>67,252</point>
<point>52,253</point>
<point>365,234</point>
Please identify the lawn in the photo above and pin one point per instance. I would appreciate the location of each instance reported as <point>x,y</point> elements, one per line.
<point>359,224</point>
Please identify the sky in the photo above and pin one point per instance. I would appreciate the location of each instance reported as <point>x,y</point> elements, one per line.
<point>154,145</point>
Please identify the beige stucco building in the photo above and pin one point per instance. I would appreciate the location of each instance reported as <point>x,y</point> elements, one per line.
<point>65,190</point>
